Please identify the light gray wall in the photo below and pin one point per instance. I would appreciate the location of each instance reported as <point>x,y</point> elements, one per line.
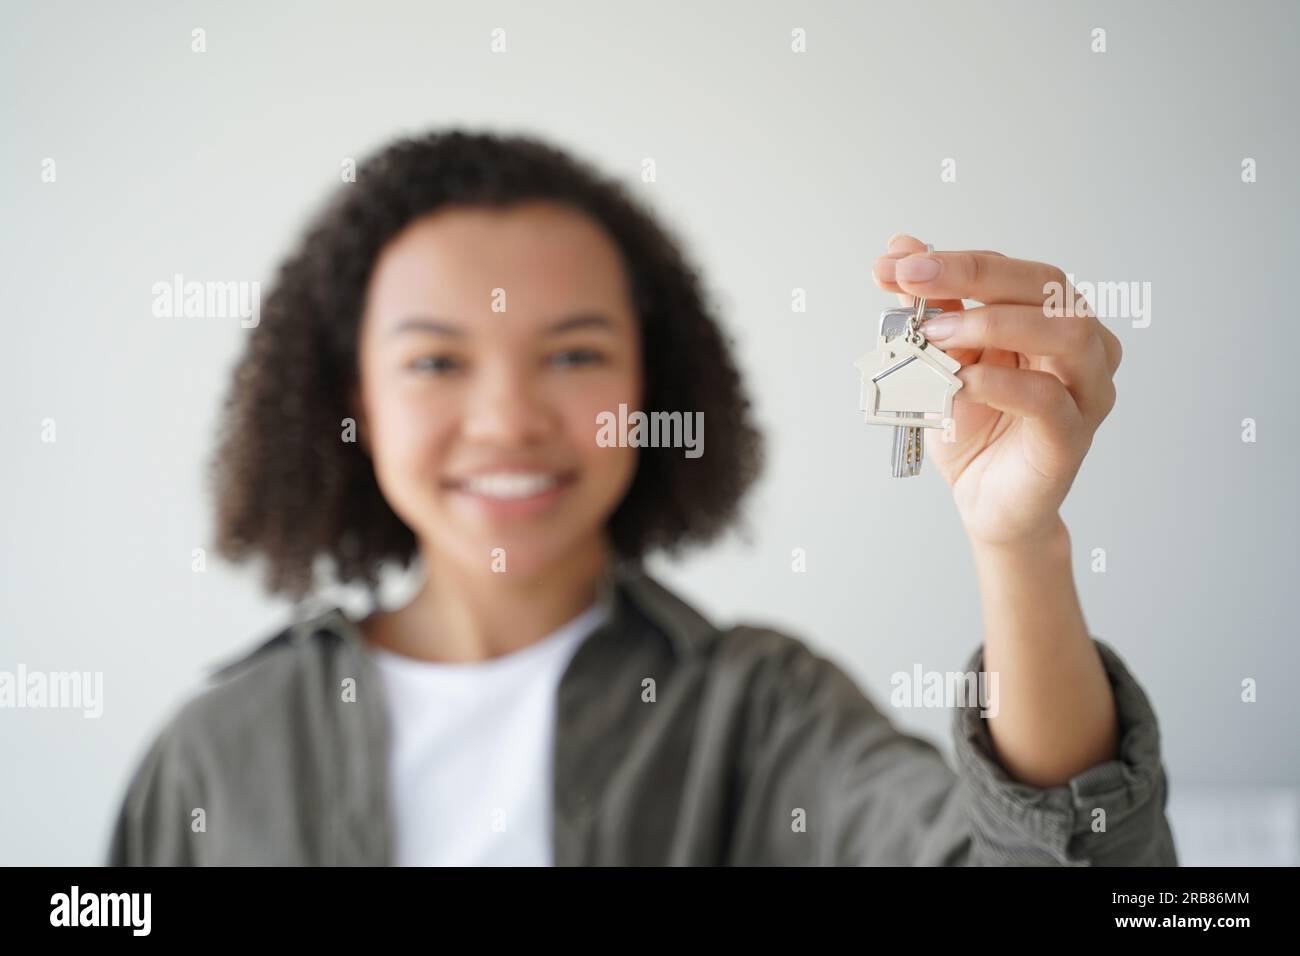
<point>780,170</point>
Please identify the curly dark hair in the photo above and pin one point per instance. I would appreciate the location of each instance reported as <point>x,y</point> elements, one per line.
<point>288,489</point>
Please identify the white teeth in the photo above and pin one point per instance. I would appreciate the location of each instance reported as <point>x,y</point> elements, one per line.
<point>511,484</point>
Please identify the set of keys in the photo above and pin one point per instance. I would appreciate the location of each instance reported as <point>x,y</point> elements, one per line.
<point>908,383</point>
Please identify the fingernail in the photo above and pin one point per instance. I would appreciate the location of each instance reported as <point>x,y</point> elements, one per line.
<point>901,237</point>
<point>918,268</point>
<point>940,327</point>
<point>885,268</point>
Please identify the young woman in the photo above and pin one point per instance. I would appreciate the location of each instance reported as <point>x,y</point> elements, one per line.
<point>425,386</point>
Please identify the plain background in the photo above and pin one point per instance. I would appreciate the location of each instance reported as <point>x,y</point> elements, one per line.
<point>778,171</point>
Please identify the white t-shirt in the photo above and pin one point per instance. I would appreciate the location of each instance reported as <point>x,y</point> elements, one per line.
<point>471,762</point>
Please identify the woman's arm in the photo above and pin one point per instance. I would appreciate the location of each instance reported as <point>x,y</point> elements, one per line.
<point>1055,714</point>
<point>1037,373</point>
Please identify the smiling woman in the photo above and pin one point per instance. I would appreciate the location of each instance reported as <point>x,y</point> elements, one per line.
<point>477,305</point>
<point>473,301</point>
<point>480,429</point>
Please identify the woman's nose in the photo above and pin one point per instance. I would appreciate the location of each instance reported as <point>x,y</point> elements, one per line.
<point>506,407</point>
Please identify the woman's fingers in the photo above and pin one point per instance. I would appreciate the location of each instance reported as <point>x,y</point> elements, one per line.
<point>900,245</point>
<point>1016,328</point>
<point>1077,347</point>
<point>902,242</point>
<point>980,275</point>
<point>1114,351</point>
<point>1019,318</point>
<point>1039,397</point>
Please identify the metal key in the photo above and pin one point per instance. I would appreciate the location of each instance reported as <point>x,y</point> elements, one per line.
<point>909,443</point>
<point>903,369</point>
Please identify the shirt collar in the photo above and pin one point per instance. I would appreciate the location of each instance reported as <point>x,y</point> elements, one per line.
<point>685,628</point>
<point>630,591</point>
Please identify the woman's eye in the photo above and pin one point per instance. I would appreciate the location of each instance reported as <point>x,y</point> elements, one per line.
<point>578,357</point>
<point>435,364</point>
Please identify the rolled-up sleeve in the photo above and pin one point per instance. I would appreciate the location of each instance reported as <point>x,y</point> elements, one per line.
<point>877,795</point>
<point>1112,814</point>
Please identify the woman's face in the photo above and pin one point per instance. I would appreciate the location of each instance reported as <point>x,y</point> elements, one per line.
<point>491,340</point>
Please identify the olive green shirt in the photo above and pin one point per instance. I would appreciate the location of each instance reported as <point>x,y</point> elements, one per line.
<point>753,750</point>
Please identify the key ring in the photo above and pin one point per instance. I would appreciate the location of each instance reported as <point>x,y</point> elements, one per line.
<point>914,334</point>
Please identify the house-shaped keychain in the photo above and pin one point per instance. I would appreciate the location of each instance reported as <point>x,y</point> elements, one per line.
<point>903,382</point>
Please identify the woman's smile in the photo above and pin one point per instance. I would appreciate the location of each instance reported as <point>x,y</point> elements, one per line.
<point>502,494</point>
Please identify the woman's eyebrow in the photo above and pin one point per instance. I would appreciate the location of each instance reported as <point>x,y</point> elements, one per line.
<point>421,324</point>
<point>442,327</point>
<point>581,321</point>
